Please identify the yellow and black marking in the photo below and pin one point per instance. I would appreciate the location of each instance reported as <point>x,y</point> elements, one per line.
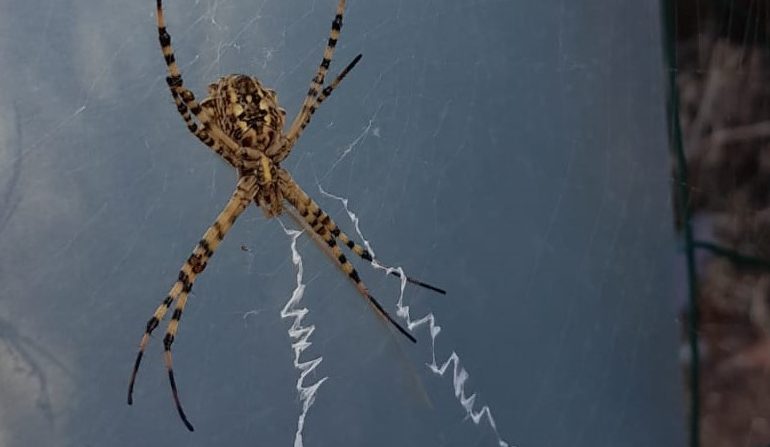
<point>318,216</point>
<point>314,218</point>
<point>194,265</point>
<point>242,122</point>
<point>185,100</point>
<point>203,136</point>
<point>245,110</point>
<point>318,80</point>
<point>325,94</point>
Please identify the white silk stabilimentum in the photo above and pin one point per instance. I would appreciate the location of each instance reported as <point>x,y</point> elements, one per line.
<point>300,335</point>
<point>459,373</point>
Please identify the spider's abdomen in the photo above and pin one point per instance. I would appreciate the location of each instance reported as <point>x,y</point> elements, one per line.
<point>246,111</point>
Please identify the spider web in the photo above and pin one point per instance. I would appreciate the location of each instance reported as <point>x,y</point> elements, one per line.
<point>300,334</point>
<point>509,152</point>
<point>459,374</point>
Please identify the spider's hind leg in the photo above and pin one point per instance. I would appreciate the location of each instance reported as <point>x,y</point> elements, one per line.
<point>364,254</point>
<point>318,216</point>
<point>193,267</point>
<point>311,217</point>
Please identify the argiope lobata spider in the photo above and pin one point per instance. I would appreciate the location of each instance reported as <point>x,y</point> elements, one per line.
<point>241,121</point>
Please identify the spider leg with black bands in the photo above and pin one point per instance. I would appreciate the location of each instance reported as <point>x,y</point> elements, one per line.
<point>242,122</point>
<point>194,266</point>
<point>363,253</point>
<point>311,214</point>
<point>318,80</point>
<point>207,131</point>
<point>324,219</point>
<point>220,149</point>
<point>284,151</point>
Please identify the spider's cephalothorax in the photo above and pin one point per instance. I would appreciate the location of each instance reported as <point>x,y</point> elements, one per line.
<point>242,122</point>
<point>246,111</point>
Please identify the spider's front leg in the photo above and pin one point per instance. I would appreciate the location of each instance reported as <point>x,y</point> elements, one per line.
<point>194,266</point>
<point>205,129</point>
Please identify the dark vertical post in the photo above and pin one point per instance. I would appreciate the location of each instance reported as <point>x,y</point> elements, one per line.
<point>683,200</point>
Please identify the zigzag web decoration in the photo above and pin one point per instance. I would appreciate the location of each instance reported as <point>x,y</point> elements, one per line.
<point>300,335</point>
<point>459,374</point>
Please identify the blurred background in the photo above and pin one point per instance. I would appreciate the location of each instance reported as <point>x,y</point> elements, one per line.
<point>721,54</point>
<point>516,154</point>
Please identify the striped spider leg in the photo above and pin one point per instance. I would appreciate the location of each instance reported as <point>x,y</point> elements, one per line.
<point>193,266</point>
<point>241,121</point>
<point>326,230</point>
<point>311,100</point>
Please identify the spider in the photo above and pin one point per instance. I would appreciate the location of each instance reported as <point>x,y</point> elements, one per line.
<point>241,121</point>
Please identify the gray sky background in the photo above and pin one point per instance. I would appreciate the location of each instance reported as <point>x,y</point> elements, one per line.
<point>513,153</point>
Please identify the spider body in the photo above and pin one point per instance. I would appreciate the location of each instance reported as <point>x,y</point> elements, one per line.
<point>241,121</point>
<point>249,113</point>
<point>246,111</point>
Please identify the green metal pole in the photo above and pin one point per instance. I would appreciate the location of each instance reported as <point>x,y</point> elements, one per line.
<point>683,192</point>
